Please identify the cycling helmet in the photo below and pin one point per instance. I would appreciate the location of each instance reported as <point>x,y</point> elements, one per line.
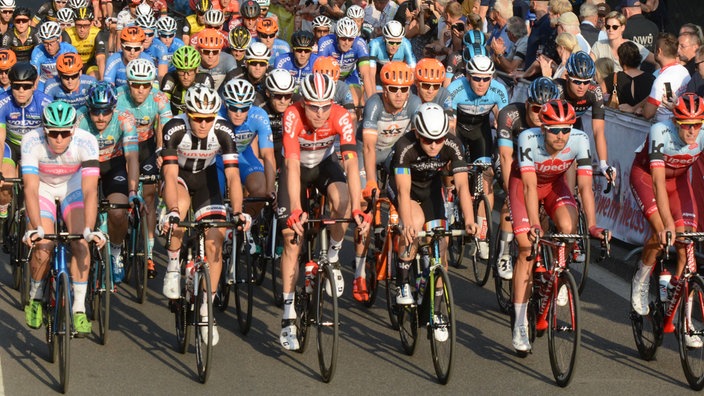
<point>280,81</point>
<point>146,22</point>
<point>250,9</point>
<point>166,24</point>
<point>430,121</point>
<point>473,50</point>
<point>210,39</point>
<point>318,87</point>
<point>327,65</point>
<point>321,21</point>
<point>580,65</point>
<point>59,114</point>
<point>76,4</point>
<point>430,70</point>
<point>66,16</point>
<point>689,107</point>
<point>202,99</point>
<point>397,73</point>
<point>7,4</point>
<point>480,64</point>
<point>142,10</point>
<point>393,31</point>
<point>22,71</point>
<point>264,3</point>
<point>302,39</point>
<point>22,11</point>
<point>83,14</point>
<point>203,5</point>
<point>69,63</point>
<point>49,30</point>
<point>257,51</point>
<point>141,69</point>
<point>214,18</point>
<point>346,28</point>
<point>355,12</point>
<point>557,112</point>
<point>474,37</point>
<point>238,92</point>
<point>7,58</point>
<point>267,26</point>
<point>101,95</point>
<point>132,34</point>
<point>186,58</point>
<point>542,90</point>
<point>240,38</point>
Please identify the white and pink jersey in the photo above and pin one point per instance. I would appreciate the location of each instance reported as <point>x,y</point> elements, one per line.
<point>534,157</point>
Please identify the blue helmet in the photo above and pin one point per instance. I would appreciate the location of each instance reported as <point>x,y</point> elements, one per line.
<point>580,65</point>
<point>101,95</point>
<point>474,37</point>
<point>542,90</point>
<point>471,50</point>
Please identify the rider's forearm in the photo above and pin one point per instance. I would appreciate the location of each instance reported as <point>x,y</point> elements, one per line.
<point>269,160</point>
<point>89,185</point>
<point>293,181</point>
<point>132,160</point>
<point>31,200</point>
<point>587,195</point>
<point>600,139</point>
<point>369,152</point>
<point>352,170</point>
<point>234,184</point>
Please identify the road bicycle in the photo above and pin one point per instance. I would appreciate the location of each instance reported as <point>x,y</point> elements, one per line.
<point>15,227</point>
<point>434,305</point>
<point>137,243</point>
<point>685,302</point>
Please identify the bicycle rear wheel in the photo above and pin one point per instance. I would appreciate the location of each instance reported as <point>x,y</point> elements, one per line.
<point>327,322</point>
<point>690,327</point>
<point>12,240</point>
<point>244,285</point>
<point>503,288</point>
<point>564,331</point>
<point>181,316</point>
<point>481,267</point>
<point>442,327</point>
<point>648,329</point>
<point>580,270</point>
<point>204,345</point>
<point>371,280</point>
<point>276,282</point>
<point>63,330</point>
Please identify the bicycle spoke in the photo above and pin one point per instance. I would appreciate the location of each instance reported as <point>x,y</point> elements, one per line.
<point>327,323</point>
<point>204,345</point>
<point>691,333</point>
<point>564,329</point>
<point>442,326</point>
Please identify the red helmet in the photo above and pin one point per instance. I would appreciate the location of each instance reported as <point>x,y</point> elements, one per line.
<point>557,112</point>
<point>689,107</point>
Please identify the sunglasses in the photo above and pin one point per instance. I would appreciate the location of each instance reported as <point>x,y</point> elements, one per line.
<point>580,82</point>
<point>5,71</point>
<point>100,112</point>
<point>318,108</point>
<point>83,26</point>
<point>689,125</point>
<point>429,86</point>
<point>258,63</point>
<point>186,72</point>
<point>560,130</point>
<point>150,34</point>
<point>168,35</point>
<point>394,89</point>
<point>266,36</point>
<point>481,79</point>
<point>17,21</point>
<point>201,117</point>
<point>238,109</point>
<point>210,52</point>
<point>322,31</point>
<point>55,133</point>
<point>69,76</point>
<point>282,96</point>
<point>535,108</point>
<point>393,43</point>
<point>345,39</point>
<point>612,27</point>
<point>129,48</point>
<point>306,50</point>
<point>140,84</point>
<point>7,11</point>
<point>20,87</point>
<point>428,142</point>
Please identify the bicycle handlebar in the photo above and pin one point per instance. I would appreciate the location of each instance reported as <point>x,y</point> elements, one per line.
<point>62,236</point>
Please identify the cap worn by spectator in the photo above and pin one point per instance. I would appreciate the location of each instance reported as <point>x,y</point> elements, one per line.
<point>603,9</point>
<point>630,3</point>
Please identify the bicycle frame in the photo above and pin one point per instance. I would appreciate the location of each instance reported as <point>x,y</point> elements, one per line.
<point>682,288</point>
<point>554,268</point>
<point>383,256</point>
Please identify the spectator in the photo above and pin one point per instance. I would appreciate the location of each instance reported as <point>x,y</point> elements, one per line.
<point>566,44</point>
<point>555,8</point>
<point>378,15</point>
<point>518,34</point>
<point>639,29</point>
<point>615,24</point>
<point>687,45</point>
<point>590,17</point>
<point>656,11</point>
<point>499,15</point>
<point>696,84</point>
<point>670,83</point>
<point>451,35</point>
<point>692,28</point>
<point>602,10</point>
<point>604,67</point>
<point>568,22</point>
<point>406,12</point>
<point>540,32</point>
<point>632,84</point>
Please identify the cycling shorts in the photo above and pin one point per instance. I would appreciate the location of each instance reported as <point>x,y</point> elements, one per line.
<point>679,190</point>
<point>478,137</point>
<point>248,164</point>
<point>206,196</point>
<point>113,176</point>
<point>70,194</point>
<point>148,168</point>
<point>552,195</point>
<point>430,200</point>
<point>12,154</point>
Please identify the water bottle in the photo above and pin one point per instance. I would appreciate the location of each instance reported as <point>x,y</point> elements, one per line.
<point>227,245</point>
<point>664,283</point>
<point>311,272</point>
<point>541,277</point>
<point>118,269</point>
<point>422,284</point>
<point>190,272</point>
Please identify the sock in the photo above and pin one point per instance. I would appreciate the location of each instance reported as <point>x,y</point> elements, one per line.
<point>359,270</point>
<point>173,264</point>
<point>204,306</point>
<point>79,296</point>
<point>115,250</point>
<point>289,309</point>
<point>403,267</point>
<point>4,210</point>
<point>334,250</point>
<point>150,247</point>
<point>643,273</point>
<point>521,310</point>
<point>36,289</point>
<point>506,238</point>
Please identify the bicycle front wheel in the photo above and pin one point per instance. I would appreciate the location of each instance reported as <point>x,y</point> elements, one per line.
<point>392,289</point>
<point>564,330</point>
<point>648,329</point>
<point>482,259</point>
<point>503,288</point>
<point>580,268</point>
<point>455,247</point>
<point>690,330</point>
<point>204,335</point>
<point>244,286</point>
<point>139,258</point>
<point>442,326</point>
<point>371,275</point>
<point>101,295</point>
<point>276,282</point>
<point>327,322</point>
<point>63,329</point>
<point>408,318</point>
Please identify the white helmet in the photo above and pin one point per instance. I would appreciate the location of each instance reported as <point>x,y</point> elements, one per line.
<point>146,22</point>
<point>63,16</point>
<point>257,51</point>
<point>430,121</point>
<point>166,24</point>
<point>318,87</point>
<point>280,81</point>
<point>480,64</point>
<point>49,30</point>
<point>202,99</point>
<point>141,70</point>
<point>355,12</point>
<point>393,31</point>
<point>322,21</point>
<point>214,18</point>
<point>143,9</point>
<point>346,27</point>
<point>238,92</point>
<point>76,4</point>
<point>264,3</point>
<point>7,4</point>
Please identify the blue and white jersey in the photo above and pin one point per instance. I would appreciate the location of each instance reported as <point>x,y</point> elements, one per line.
<point>46,64</point>
<point>77,98</point>
<point>379,55</point>
<point>256,124</point>
<point>20,120</point>
<point>358,54</point>
<point>168,52</point>
<point>115,69</point>
<point>155,52</point>
<point>472,107</point>
<point>280,47</point>
<point>287,61</point>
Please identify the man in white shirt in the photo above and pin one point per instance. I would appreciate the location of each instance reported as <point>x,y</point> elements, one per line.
<point>568,22</point>
<point>671,80</point>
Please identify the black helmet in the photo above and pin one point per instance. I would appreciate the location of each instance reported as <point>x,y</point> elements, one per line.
<point>250,9</point>
<point>542,90</point>
<point>580,65</point>
<point>302,39</point>
<point>22,11</point>
<point>23,71</point>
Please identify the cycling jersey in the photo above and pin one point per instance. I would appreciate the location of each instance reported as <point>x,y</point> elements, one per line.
<point>226,64</point>
<point>115,69</point>
<point>511,122</point>
<point>146,113</point>
<point>117,139</point>
<point>280,47</point>
<point>442,98</point>
<point>357,55</point>
<point>474,109</point>
<point>388,128</point>
<point>20,120</point>
<point>593,99</point>
<point>77,98</point>
<point>378,53</point>
<point>287,62</point>
<point>156,51</point>
<point>191,26</point>
<point>193,154</point>
<point>256,124</point>
<point>93,44</point>
<point>125,19</point>
<point>168,52</point>
<point>46,12</point>
<point>311,147</point>
<point>176,93</point>
<point>46,64</point>
<point>343,95</point>
<point>22,49</point>
<point>241,72</point>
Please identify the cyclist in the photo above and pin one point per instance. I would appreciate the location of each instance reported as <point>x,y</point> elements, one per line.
<point>52,158</point>
<point>239,39</point>
<point>280,87</point>
<point>514,119</point>
<point>66,18</point>
<point>7,60</point>
<point>343,95</point>
<point>660,183</point>
<point>430,75</point>
<point>321,28</point>
<point>20,113</point>
<point>475,97</point>
<point>191,180</point>
<point>213,60</point>
<point>256,66</point>
<point>298,62</point>
<point>166,29</point>
<point>229,8</point>
<point>7,7</point>
<point>71,85</point>
<point>22,38</point>
<point>313,123</point>
<point>267,29</point>
<point>90,42</point>
<point>196,22</point>
<point>356,14</point>
<point>151,111</point>
<point>47,11</point>
<point>127,17</point>
<point>213,19</point>
<point>250,12</point>
<point>186,60</point>
<point>153,48</point>
<point>392,46</point>
<point>44,56</point>
<point>538,176</point>
<point>264,10</point>
<point>131,39</point>
<point>116,132</point>
<point>419,159</point>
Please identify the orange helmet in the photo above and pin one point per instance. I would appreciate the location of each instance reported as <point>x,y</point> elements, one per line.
<point>132,34</point>
<point>7,59</point>
<point>211,39</point>
<point>430,70</point>
<point>327,65</point>
<point>397,73</point>
<point>267,26</point>
<point>69,63</point>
